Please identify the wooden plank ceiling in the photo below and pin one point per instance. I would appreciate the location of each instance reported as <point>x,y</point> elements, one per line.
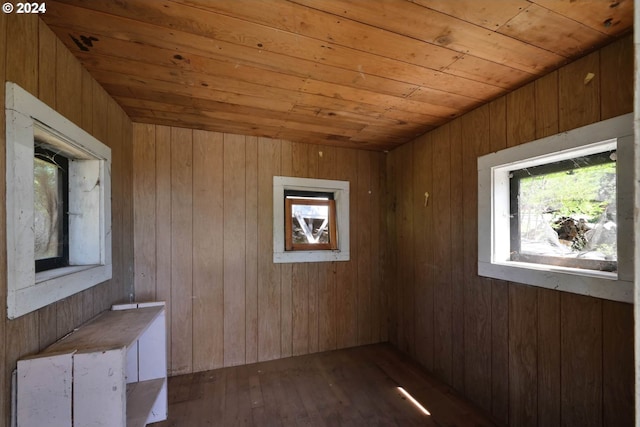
<point>360,73</point>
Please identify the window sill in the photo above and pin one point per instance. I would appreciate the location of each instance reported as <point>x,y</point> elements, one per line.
<point>598,284</point>
<point>44,276</point>
<point>54,285</point>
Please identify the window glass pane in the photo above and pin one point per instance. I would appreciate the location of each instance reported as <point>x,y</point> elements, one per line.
<point>48,209</point>
<point>566,213</point>
<point>310,223</point>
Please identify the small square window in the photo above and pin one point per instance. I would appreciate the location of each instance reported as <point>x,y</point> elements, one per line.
<point>310,221</point>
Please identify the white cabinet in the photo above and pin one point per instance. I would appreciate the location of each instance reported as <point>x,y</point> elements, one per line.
<point>111,371</point>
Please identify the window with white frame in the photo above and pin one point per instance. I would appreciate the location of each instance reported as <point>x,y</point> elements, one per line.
<point>58,203</point>
<point>557,212</point>
<point>310,220</point>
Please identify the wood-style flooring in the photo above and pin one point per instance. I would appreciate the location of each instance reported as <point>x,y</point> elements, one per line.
<point>351,387</point>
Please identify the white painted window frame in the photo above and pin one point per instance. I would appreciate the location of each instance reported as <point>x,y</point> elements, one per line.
<point>340,190</point>
<point>493,210</point>
<point>89,205</point>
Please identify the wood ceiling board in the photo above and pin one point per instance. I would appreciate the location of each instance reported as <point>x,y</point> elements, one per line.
<point>236,80</point>
<point>613,17</point>
<point>544,28</point>
<point>109,79</point>
<point>473,68</point>
<point>355,75</point>
<point>490,14</point>
<point>318,126</point>
<point>260,37</point>
<point>243,57</point>
<point>300,47</point>
<point>379,100</point>
<point>428,25</point>
<point>333,30</point>
<point>452,100</point>
<point>348,117</point>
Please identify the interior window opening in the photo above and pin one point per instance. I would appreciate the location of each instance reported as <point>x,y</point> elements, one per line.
<point>51,199</point>
<point>565,213</point>
<point>310,221</point>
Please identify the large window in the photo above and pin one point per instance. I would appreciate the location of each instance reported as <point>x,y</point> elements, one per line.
<point>564,213</point>
<point>58,203</point>
<point>310,220</point>
<point>558,212</point>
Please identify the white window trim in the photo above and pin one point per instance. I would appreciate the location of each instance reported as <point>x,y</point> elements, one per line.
<point>340,190</point>
<point>493,211</point>
<point>89,216</point>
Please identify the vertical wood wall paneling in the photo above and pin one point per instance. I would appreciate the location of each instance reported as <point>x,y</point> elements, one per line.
<point>181,250</point>
<point>164,233</point>
<point>122,239</point>
<point>286,287</point>
<point>404,251</point>
<point>347,292</point>
<point>548,336</point>
<point>581,360</point>
<point>522,355</point>
<point>617,367</point>
<point>251,247</point>
<point>21,64</point>
<point>423,248</point>
<point>378,247</point>
<point>616,65</point>
<point>364,263</point>
<point>126,248</point>
<point>457,255</point>
<point>144,217</point>
<point>549,328</point>
<point>208,280</point>
<point>477,293</point>
<point>531,356</point>
<point>579,98</point>
<point>391,220</point>
<point>499,292</point>
<point>234,249</point>
<point>443,259</point>
<point>330,312</point>
<point>299,271</point>
<point>269,162</point>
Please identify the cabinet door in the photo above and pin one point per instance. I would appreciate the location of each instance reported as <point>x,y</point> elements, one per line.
<point>44,391</point>
<point>99,388</point>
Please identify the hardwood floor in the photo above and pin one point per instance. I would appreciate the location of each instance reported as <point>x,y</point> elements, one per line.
<point>352,387</point>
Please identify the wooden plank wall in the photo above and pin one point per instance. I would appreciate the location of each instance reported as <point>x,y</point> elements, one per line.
<point>528,356</point>
<point>32,56</point>
<point>203,212</point>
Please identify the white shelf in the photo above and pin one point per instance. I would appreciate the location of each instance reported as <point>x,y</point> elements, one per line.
<point>112,371</point>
